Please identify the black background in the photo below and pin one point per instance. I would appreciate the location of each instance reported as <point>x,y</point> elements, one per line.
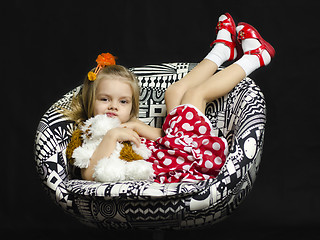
<point>49,46</point>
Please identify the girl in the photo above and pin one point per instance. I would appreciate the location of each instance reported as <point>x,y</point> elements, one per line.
<point>185,148</point>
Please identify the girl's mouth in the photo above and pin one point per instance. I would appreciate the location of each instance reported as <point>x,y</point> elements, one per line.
<point>111,115</point>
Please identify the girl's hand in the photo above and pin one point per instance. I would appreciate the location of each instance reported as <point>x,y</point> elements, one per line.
<point>143,129</point>
<point>134,124</point>
<point>121,134</point>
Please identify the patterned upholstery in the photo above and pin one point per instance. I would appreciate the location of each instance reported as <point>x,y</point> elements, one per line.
<point>240,116</point>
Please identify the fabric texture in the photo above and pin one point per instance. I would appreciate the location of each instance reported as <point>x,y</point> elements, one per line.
<point>189,151</point>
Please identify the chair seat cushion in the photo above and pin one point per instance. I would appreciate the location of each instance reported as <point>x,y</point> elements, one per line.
<point>133,189</point>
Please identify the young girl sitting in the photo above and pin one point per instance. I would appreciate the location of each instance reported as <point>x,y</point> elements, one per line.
<point>185,149</point>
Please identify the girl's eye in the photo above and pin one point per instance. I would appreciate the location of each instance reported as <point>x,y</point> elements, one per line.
<point>123,101</point>
<point>104,99</point>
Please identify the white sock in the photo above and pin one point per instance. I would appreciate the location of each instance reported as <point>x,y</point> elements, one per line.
<point>249,63</point>
<point>220,52</point>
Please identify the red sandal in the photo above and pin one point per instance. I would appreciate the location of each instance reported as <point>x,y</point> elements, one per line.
<point>229,25</point>
<point>249,31</point>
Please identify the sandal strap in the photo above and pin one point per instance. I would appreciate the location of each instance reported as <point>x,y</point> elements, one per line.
<point>225,24</point>
<point>231,45</point>
<point>247,32</point>
<point>258,52</point>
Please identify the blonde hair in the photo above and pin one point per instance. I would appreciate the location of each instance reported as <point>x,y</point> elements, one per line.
<point>82,106</point>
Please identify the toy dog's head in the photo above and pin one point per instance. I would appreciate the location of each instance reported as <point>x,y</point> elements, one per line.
<point>96,127</point>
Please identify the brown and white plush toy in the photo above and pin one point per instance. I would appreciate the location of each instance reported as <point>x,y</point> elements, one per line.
<point>125,163</point>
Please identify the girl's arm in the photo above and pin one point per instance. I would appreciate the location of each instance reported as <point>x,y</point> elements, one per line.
<point>144,130</point>
<point>107,146</point>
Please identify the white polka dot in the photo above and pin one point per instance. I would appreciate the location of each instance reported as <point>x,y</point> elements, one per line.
<point>173,118</point>
<point>167,143</point>
<point>202,129</point>
<point>216,146</point>
<point>186,167</point>
<point>177,175</point>
<point>160,155</point>
<point>191,158</point>
<point>218,160</point>
<point>167,161</point>
<point>208,164</point>
<point>173,112</point>
<point>188,140</point>
<point>206,176</point>
<point>194,144</point>
<point>180,160</point>
<point>189,115</point>
<point>207,152</point>
<point>187,149</point>
<point>187,127</point>
<point>168,131</point>
<point>205,141</point>
<point>172,152</point>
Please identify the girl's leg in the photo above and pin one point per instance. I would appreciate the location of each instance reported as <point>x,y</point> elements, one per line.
<point>221,52</point>
<point>216,86</point>
<point>196,76</point>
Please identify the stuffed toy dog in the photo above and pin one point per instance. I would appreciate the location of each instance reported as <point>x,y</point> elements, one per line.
<point>125,163</point>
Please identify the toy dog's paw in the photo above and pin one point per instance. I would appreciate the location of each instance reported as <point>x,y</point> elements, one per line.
<point>110,170</point>
<point>143,151</point>
<point>139,170</point>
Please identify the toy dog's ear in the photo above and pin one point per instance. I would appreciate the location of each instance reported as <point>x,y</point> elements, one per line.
<point>76,141</point>
<point>127,153</point>
<point>86,128</point>
<point>88,132</point>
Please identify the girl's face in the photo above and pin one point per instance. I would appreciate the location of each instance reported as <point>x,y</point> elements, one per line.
<point>113,98</point>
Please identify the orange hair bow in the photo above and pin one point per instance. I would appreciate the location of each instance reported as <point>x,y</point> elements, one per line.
<point>103,60</point>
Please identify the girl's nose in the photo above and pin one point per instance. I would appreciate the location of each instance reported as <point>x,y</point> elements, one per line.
<point>113,106</point>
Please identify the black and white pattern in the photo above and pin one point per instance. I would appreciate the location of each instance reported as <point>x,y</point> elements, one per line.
<point>240,117</point>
